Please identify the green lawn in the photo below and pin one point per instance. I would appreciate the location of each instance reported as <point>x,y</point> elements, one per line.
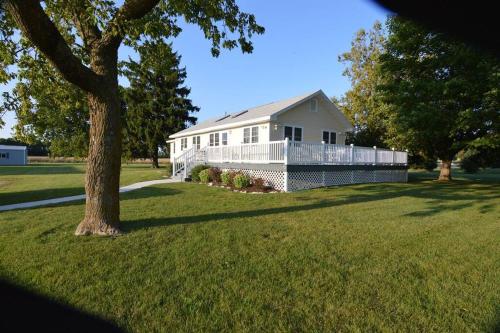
<point>53,180</point>
<point>422,256</point>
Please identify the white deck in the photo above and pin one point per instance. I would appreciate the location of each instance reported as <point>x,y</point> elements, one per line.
<point>287,152</point>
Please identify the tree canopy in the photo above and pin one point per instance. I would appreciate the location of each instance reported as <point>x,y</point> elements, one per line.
<point>360,103</point>
<point>156,102</point>
<point>442,95</point>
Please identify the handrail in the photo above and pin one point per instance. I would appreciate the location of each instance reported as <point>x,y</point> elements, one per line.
<point>289,152</point>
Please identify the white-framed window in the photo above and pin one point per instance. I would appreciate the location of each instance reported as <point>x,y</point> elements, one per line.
<point>184,143</point>
<point>224,138</point>
<point>251,134</point>
<point>196,142</point>
<point>329,137</point>
<point>214,139</point>
<point>246,135</point>
<point>313,104</point>
<point>255,134</point>
<point>293,133</point>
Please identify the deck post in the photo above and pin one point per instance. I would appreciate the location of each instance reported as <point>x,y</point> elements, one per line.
<point>241,153</point>
<point>285,152</point>
<point>173,166</point>
<point>185,168</point>
<point>393,156</point>
<point>323,152</point>
<point>375,158</point>
<point>351,157</point>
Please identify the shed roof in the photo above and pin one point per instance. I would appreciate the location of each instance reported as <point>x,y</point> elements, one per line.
<point>10,147</point>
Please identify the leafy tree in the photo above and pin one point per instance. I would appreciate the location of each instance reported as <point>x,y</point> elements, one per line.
<point>81,38</point>
<point>49,109</point>
<point>442,95</point>
<point>360,104</point>
<point>156,101</point>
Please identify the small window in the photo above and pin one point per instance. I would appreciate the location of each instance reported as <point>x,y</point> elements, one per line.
<point>255,134</point>
<point>333,138</point>
<point>326,137</point>
<point>246,135</point>
<point>214,139</point>
<point>224,138</point>
<point>289,132</point>
<point>314,105</point>
<point>184,142</point>
<point>330,137</point>
<point>196,142</point>
<point>297,135</point>
<point>293,133</point>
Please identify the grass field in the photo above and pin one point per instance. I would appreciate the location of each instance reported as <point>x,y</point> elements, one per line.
<point>53,180</point>
<point>422,256</point>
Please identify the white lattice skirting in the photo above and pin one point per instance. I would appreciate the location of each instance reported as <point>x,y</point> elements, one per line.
<point>301,180</point>
<point>295,178</point>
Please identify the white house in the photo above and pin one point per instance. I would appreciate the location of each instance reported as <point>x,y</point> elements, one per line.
<point>293,144</point>
<point>307,118</point>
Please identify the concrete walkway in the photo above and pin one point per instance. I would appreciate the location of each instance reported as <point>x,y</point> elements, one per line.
<point>123,189</point>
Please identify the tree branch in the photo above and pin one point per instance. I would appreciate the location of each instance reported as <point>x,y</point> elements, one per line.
<point>88,31</point>
<point>41,31</point>
<point>130,10</point>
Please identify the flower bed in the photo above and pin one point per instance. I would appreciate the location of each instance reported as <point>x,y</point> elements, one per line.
<point>235,181</point>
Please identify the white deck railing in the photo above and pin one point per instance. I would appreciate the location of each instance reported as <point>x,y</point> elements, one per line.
<point>288,152</point>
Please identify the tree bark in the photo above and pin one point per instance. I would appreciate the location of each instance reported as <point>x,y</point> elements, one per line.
<point>445,173</point>
<point>102,181</point>
<point>154,159</point>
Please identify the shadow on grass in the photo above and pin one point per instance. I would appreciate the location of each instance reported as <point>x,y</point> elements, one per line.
<point>9,198</point>
<point>439,196</point>
<point>28,196</point>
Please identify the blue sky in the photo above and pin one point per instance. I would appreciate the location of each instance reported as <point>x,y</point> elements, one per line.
<point>297,54</point>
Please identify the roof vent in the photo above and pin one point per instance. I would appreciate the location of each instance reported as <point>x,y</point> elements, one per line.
<point>239,114</point>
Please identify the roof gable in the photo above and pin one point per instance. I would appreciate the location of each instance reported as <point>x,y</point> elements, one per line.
<point>265,112</point>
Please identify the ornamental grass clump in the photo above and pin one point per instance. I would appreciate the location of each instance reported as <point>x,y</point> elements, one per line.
<point>241,181</point>
<point>204,176</point>
<point>195,172</point>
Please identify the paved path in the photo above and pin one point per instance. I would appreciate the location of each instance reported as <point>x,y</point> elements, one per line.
<point>123,189</point>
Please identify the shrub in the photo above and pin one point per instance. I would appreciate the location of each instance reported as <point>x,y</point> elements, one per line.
<point>430,164</point>
<point>196,171</point>
<point>204,176</point>
<point>258,183</point>
<point>470,164</point>
<point>241,181</point>
<point>214,174</point>
<point>226,178</point>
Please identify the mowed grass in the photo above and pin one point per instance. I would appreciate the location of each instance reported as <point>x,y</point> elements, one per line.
<point>416,257</point>
<point>53,180</point>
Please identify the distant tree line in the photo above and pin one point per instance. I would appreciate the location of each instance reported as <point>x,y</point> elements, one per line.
<point>420,90</point>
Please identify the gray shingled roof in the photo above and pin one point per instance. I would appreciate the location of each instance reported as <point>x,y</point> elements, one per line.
<point>266,110</point>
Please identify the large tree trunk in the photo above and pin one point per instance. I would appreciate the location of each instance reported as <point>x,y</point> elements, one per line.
<point>102,207</point>
<point>445,173</point>
<point>154,158</point>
